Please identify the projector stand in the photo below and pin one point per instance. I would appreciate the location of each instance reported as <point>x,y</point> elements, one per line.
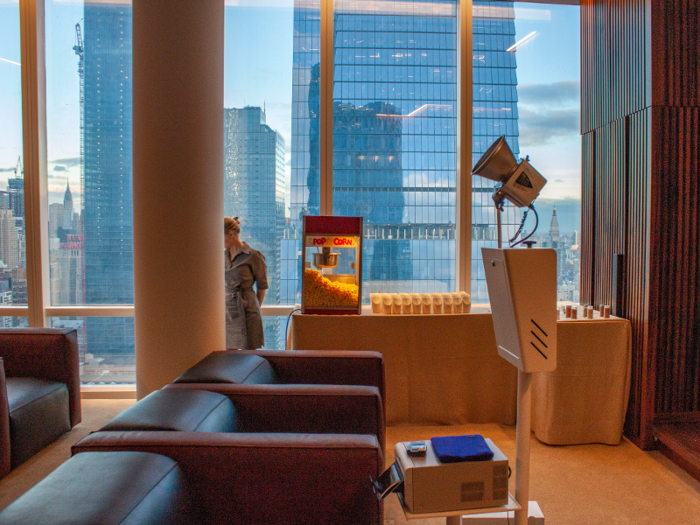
<point>522,446</point>
<point>522,458</point>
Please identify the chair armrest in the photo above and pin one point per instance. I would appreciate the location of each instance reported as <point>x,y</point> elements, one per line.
<point>266,478</point>
<point>332,409</point>
<point>45,353</point>
<point>5,451</point>
<point>330,367</point>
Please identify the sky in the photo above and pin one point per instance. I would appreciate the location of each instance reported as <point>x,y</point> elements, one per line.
<point>258,72</point>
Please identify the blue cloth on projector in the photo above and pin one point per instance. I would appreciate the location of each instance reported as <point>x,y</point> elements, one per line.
<point>453,449</point>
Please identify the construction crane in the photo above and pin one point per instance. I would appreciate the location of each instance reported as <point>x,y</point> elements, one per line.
<point>79,50</point>
<point>19,172</point>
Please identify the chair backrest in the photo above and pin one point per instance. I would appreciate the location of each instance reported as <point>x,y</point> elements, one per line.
<point>178,410</point>
<point>230,367</point>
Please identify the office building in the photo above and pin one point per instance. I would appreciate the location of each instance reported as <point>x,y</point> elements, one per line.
<point>108,224</point>
<point>394,140</point>
<point>254,191</point>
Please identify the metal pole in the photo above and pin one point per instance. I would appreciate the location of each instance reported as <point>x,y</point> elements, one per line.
<point>522,447</point>
<point>498,226</point>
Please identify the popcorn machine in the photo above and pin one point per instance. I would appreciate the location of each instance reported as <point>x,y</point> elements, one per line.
<point>332,265</point>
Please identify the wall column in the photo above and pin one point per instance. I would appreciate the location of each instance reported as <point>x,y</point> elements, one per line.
<point>178,101</point>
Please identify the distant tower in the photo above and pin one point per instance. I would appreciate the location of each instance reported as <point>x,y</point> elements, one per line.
<point>557,245</point>
<point>67,209</point>
<point>554,230</point>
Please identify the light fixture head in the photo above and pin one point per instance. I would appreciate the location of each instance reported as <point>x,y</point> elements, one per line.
<point>518,182</point>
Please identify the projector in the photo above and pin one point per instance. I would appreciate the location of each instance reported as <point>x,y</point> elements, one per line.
<point>430,486</point>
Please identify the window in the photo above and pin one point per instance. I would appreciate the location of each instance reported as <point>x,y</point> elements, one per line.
<point>13,256</point>
<point>394,124</point>
<point>271,139</point>
<point>88,60</point>
<point>532,97</point>
<point>394,138</point>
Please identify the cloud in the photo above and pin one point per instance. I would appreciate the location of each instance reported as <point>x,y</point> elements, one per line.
<point>558,94</point>
<point>7,170</point>
<point>59,168</point>
<point>540,126</point>
<point>67,162</point>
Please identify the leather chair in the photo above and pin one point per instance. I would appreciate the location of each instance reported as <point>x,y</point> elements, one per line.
<point>325,367</point>
<point>308,409</point>
<point>39,390</point>
<point>243,463</point>
<point>251,478</point>
<point>251,377</point>
<point>127,488</point>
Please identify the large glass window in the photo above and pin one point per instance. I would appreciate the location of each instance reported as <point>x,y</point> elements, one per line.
<point>271,141</point>
<point>394,128</point>
<point>88,62</point>
<point>394,138</point>
<point>526,87</point>
<point>13,256</point>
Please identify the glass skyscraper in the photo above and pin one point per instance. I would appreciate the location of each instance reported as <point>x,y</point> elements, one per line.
<point>108,232</point>
<point>395,132</point>
<point>254,190</point>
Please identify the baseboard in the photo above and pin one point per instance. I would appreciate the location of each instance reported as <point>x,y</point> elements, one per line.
<point>680,442</point>
<point>108,392</point>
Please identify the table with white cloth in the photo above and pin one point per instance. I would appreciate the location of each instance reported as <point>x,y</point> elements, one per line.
<point>445,369</point>
<point>585,399</point>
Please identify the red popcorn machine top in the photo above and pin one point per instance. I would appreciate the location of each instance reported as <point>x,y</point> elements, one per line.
<point>332,265</point>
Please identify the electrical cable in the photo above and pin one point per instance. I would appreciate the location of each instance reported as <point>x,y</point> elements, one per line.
<point>522,223</point>
<point>537,222</point>
<point>289,317</point>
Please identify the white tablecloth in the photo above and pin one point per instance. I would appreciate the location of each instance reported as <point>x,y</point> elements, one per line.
<point>445,369</point>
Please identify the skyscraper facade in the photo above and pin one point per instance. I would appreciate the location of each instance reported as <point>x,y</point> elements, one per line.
<point>254,189</point>
<point>395,132</point>
<point>108,237</point>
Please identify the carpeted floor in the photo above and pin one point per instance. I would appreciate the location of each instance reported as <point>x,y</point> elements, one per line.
<point>574,485</point>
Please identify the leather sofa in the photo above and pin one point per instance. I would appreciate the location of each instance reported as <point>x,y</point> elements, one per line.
<point>39,391</point>
<point>164,477</point>
<point>251,449</point>
<point>229,463</point>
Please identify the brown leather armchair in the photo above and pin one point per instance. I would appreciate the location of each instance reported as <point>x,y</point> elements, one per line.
<point>39,390</point>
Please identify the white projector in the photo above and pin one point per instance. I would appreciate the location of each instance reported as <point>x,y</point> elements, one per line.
<point>430,486</point>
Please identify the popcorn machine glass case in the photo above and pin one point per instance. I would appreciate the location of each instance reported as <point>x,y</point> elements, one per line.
<point>332,265</point>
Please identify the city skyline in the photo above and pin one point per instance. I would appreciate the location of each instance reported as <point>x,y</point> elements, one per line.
<point>404,192</point>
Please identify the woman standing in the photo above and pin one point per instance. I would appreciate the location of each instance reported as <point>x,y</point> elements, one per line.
<point>244,267</point>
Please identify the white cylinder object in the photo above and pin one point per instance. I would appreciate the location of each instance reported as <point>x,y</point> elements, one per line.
<point>416,303</point>
<point>437,303</point>
<point>447,303</point>
<point>466,302</point>
<point>387,303</point>
<point>376,301</point>
<point>398,303</point>
<point>426,303</point>
<point>456,303</point>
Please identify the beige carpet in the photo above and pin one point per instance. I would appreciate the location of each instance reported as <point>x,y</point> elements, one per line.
<point>574,485</point>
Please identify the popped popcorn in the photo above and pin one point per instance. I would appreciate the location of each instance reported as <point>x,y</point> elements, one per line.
<point>320,292</point>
